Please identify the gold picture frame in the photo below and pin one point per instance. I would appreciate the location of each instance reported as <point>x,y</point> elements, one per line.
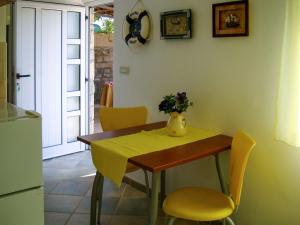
<point>230,19</point>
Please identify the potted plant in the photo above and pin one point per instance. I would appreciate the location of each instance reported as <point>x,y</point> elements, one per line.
<point>175,105</point>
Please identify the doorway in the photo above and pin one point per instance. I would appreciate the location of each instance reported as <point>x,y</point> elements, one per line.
<point>50,71</point>
<point>101,60</point>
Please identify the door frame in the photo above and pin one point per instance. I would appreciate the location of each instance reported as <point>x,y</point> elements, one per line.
<point>65,147</point>
<point>90,82</point>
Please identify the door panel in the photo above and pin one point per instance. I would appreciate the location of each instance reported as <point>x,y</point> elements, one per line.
<point>55,47</point>
<point>51,77</point>
<point>26,60</point>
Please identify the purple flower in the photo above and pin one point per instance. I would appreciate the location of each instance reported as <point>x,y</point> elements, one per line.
<point>181,97</point>
<point>175,103</point>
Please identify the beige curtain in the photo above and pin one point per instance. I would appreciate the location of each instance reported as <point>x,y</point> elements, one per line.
<point>288,108</point>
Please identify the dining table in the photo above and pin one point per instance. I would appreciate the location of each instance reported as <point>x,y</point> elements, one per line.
<point>157,163</point>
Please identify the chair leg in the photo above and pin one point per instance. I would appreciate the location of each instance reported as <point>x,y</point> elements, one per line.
<point>162,187</point>
<point>229,220</point>
<point>224,222</point>
<point>169,220</point>
<point>147,183</point>
<point>221,179</point>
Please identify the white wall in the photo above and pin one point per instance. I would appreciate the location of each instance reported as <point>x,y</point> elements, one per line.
<point>233,83</point>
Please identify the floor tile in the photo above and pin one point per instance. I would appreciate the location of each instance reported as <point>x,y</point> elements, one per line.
<point>52,218</point>
<point>109,189</point>
<point>84,205</point>
<point>61,162</point>
<point>133,192</point>
<point>89,193</point>
<point>109,205</point>
<point>82,174</point>
<point>86,163</point>
<point>49,186</point>
<point>129,220</point>
<point>134,220</point>
<point>112,190</point>
<point>133,206</point>
<point>84,219</point>
<point>79,219</point>
<point>55,174</point>
<point>61,203</point>
<point>79,188</point>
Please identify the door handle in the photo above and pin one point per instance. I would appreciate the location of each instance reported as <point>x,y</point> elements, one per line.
<point>21,76</point>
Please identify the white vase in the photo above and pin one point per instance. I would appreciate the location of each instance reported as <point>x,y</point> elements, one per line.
<point>176,125</point>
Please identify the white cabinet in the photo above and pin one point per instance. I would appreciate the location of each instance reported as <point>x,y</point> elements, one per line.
<point>21,191</point>
<point>23,208</point>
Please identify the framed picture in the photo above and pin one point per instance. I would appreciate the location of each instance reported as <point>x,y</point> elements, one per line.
<point>230,19</point>
<point>176,24</point>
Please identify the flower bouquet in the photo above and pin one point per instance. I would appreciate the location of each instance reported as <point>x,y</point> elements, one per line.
<point>175,105</point>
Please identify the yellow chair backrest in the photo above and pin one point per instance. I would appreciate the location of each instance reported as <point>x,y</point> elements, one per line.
<point>119,118</point>
<point>241,147</point>
<point>106,98</point>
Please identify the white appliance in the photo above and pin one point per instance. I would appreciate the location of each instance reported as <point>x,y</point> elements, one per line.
<point>21,191</point>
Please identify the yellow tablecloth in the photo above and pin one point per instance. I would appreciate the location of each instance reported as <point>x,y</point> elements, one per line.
<point>110,155</point>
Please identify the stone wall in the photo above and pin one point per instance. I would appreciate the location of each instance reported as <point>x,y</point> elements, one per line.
<point>103,62</point>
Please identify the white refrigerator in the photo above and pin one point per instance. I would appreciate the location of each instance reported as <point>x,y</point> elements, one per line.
<point>21,183</point>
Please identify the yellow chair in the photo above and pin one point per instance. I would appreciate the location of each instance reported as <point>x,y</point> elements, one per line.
<point>119,118</point>
<point>106,98</point>
<point>204,204</point>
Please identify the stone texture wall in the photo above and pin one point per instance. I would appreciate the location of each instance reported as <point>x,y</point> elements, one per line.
<point>103,62</point>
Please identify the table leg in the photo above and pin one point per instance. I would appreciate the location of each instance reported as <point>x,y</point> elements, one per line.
<point>96,195</point>
<point>154,197</point>
<point>162,187</point>
<point>221,179</point>
<point>99,197</point>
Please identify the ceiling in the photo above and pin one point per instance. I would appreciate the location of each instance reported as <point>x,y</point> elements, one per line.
<point>105,10</point>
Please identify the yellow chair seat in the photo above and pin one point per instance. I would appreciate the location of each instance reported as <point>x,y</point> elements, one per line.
<point>198,204</point>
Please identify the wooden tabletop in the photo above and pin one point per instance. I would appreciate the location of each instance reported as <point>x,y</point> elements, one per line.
<point>161,160</point>
<point>87,139</point>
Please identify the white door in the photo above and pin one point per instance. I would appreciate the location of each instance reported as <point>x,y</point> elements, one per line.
<point>50,65</point>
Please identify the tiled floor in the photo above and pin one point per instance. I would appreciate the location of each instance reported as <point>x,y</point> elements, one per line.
<point>68,183</point>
